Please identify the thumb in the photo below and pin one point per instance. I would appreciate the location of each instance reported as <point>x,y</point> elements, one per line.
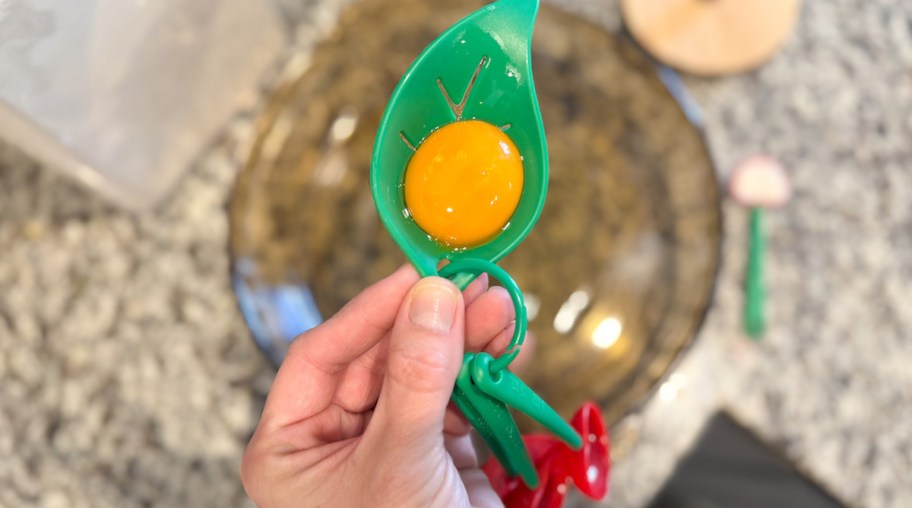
<point>425,355</point>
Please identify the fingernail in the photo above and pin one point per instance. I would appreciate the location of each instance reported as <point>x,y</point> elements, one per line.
<point>433,307</point>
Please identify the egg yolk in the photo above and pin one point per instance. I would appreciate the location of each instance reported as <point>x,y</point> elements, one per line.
<point>463,183</point>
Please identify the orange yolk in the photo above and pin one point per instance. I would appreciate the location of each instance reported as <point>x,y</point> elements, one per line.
<point>463,183</point>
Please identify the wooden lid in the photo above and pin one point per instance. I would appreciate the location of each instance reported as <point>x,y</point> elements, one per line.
<point>711,37</point>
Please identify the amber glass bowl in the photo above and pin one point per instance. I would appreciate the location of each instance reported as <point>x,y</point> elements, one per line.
<point>619,272</point>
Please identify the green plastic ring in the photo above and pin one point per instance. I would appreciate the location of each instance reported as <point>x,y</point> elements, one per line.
<point>476,266</point>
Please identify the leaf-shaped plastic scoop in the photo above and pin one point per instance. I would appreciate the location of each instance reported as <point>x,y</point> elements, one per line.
<point>479,69</point>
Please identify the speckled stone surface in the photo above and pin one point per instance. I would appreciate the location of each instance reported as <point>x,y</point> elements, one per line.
<point>128,377</point>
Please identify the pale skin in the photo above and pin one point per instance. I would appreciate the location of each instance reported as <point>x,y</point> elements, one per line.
<point>359,412</point>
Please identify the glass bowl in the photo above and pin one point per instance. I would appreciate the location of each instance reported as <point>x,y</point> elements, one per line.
<point>619,272</point>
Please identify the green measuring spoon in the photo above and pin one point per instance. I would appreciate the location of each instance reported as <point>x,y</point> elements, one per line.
<point>758,182</point>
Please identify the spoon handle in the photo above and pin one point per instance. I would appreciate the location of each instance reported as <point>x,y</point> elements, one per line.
<point>505,386</point>
<point>754,290</point>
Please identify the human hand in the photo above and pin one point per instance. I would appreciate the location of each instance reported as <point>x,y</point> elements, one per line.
<point>359,412</point>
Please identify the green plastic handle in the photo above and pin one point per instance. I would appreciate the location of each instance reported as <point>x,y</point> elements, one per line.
<point>754,290</point>
<point>511,390</point>
<point>494,423</point>
<point>475,266</point>
<point>485,388</point>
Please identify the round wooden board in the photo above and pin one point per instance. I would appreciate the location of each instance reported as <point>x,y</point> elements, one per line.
<point>711,37</point>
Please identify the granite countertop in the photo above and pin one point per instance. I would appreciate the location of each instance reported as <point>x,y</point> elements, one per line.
<point>129,378</point>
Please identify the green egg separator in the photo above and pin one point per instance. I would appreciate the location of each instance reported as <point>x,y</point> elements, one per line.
<point>479,69</point>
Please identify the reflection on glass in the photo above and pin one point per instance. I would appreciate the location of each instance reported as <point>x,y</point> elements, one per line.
<point>602,328</point>
<point>533,305</point>
<point>333,166</point>
<point>276,314</point>
<point>344,126</point>
<point>607,332</point>
<point>570,310</point>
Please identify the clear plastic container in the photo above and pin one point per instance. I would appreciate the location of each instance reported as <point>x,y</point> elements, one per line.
<point>123,95</point>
